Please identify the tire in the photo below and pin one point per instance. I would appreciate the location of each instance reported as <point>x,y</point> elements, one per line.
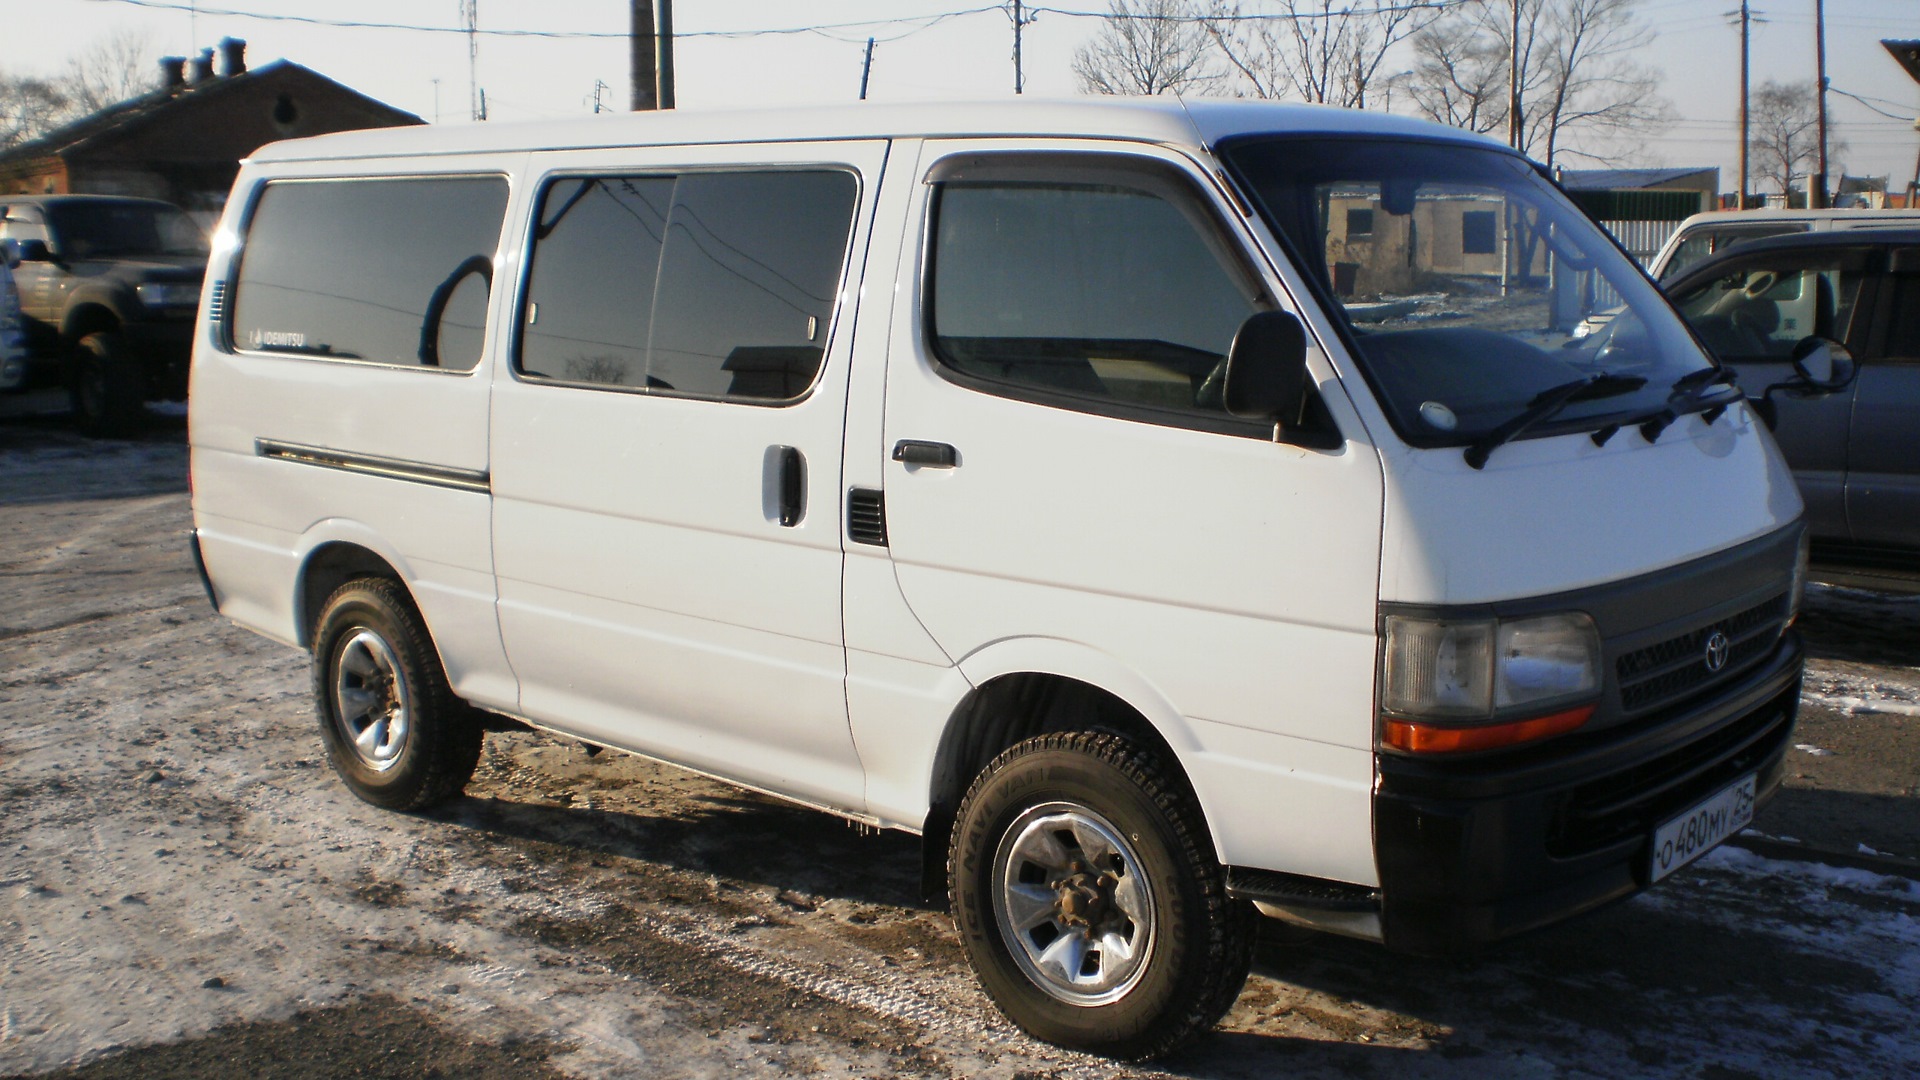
<point>394,730</point>
<point>107,385</point>
<point>1171,949</point>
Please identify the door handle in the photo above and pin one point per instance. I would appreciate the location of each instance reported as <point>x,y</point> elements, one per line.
<point>793,486</point>
<point>932,455</point>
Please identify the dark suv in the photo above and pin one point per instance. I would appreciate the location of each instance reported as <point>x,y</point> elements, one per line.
<point>1855,453</point>
<point>108,287</point>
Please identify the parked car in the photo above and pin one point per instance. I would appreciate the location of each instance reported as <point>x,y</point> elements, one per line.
<point>108,287</point>
<point>1855,453</point>
<point>1703,235</point>
<point>1029,477</point>
<point>13,334</point>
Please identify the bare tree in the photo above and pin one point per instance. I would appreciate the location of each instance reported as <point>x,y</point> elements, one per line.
<point>1460,75</point>
<point>1324,51</point>
<point>112,69</point>
<point>1146,47</point>
<point>28,108</point>
<point>1579,76</point>
<point>1784,132</point>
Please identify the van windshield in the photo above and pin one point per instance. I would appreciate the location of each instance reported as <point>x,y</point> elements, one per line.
<point>1471,290</point>
<point>108,229</point>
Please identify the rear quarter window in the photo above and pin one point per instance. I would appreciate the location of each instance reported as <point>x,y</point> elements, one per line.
<point>382,271</point>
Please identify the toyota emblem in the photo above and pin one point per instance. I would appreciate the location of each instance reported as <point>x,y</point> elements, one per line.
<point>1717,649</point>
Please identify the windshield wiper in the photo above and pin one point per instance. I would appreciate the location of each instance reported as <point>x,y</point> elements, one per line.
<point>1688,391</point>
<point>1545,405</point>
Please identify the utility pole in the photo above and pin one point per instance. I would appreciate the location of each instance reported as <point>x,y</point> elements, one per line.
<point>470,15</point>
<point>1817,191</point>
<point>666,54</point>
<point>1513,80</point>
<point>1021,20</point>
<point>1746,19</point>
<point>640,73</point>
<point>599,88</point>
<point>436,101</point>
<point>866,69</point>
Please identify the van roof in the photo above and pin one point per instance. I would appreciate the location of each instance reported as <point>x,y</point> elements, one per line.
<point>1163,120</point>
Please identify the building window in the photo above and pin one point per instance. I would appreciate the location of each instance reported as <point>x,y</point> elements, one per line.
<point>1479,232</point>
<point>1359,223</point>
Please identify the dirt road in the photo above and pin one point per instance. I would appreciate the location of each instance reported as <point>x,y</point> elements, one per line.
<point>185,890</point>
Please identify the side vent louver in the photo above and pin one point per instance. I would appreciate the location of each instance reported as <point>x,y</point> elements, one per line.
<point>217,308</point>
<point>867,517</point>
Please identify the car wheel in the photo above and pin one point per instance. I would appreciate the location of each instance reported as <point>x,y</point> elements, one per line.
<point>394,730</point>
<point>107,386</point>
<point>1086,892</point>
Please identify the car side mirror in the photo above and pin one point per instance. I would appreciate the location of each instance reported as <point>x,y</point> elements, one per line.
<point>1267,368</point>
<point>1823,365</point>
<point>34,251</point>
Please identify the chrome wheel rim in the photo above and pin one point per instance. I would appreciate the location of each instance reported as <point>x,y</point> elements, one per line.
<point>1073,904</point>
<point>370,703</point>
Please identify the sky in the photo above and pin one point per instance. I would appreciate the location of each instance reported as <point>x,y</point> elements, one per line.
<point>967,55</point>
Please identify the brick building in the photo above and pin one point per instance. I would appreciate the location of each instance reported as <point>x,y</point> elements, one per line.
<point>183,141</point>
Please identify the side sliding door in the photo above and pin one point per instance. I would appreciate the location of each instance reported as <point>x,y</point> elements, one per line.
<point>667,442</point>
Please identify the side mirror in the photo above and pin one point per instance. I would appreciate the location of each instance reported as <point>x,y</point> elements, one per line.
<point>1267,368</point>
<point>1823,365</point>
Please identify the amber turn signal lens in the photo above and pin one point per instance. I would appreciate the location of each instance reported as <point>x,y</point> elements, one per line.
<point>1417,738</point>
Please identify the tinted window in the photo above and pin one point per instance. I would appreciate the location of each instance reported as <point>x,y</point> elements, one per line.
<point>1099,291</point>
<point>1903,331</point>
<point>590,297</point>
<point>748,265</point>
<point>390,271</point>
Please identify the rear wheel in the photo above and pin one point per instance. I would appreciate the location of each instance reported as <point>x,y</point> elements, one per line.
<point>1087,894</point>
<point>394,730</point>
<point>107,386</point>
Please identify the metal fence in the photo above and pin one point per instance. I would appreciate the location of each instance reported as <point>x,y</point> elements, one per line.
<point>1643,240</point>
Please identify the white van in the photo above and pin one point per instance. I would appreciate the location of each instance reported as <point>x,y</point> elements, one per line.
<point>1167,511</point>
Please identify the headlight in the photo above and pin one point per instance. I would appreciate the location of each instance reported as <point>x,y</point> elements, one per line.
<point>163,294</point>
<point>1486,670</point>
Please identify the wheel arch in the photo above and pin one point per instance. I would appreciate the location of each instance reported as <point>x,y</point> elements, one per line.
<point>333,553</point>
<point>1028,687</point>
<point>89,317</point>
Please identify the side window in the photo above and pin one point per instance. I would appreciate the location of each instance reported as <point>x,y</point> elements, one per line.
<point>1902,300</point>
<point>1760,311</point>
<point>385,271</point>
<point>1100,293</point>
<point>710,284</point>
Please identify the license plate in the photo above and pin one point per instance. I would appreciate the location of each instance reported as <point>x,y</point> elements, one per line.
<point>1700,828</point>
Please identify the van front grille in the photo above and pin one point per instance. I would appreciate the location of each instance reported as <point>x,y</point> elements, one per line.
<point>1667,671</point>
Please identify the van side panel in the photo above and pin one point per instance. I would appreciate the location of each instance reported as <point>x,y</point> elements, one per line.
<point>291,452</point>
<point>653,592</point>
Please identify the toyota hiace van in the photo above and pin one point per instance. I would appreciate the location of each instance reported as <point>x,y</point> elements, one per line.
<point>1169,512</point>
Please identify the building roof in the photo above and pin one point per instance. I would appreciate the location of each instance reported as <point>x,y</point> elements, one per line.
<point>128,117</point>
<point>1165,120</point>
<point>1628,179</point>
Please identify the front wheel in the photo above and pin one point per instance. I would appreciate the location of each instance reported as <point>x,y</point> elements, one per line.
<point>107,385</point>
<point>394,730</point>
<point>1088,897</point>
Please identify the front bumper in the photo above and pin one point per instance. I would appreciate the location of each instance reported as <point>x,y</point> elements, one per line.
<point>1474,850</point>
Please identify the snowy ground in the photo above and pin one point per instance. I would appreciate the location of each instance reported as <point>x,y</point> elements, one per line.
<point>186,890</point>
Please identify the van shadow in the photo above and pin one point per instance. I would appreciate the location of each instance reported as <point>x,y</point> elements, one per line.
<point>745,838</point>
<point>1640,987</point>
